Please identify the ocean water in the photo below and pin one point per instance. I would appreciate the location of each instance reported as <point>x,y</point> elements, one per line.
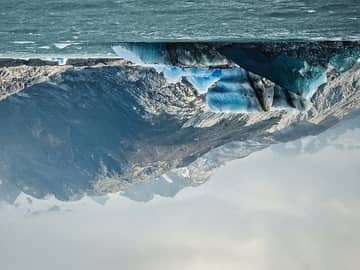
<point>90,27</point>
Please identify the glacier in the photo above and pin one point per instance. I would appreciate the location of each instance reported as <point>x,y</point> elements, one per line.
<point>97,126</point>
<point>228,74</point>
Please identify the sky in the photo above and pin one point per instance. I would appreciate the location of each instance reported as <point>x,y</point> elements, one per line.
<point>292,206</point>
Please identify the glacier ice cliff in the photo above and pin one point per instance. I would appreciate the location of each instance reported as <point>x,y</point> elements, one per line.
<point>243,77</point>
<point>94,126</point>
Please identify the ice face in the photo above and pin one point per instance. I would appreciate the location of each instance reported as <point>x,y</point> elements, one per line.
<point>237,78</point>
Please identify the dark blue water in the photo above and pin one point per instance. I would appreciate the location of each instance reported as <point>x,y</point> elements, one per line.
<point>92,26</point>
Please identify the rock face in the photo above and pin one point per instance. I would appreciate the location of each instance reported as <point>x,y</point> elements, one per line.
<point>18,74</point>
<point>108,126</point>
<point>15,79</point>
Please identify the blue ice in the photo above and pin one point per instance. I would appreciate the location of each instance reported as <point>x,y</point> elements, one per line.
<point>233,93</point>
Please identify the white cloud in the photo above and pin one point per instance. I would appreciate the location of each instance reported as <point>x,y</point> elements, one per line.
<point>268,211</point>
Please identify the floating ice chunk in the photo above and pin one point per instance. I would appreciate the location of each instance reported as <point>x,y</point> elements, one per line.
<point>23,42</point>
<point>62,45</point>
